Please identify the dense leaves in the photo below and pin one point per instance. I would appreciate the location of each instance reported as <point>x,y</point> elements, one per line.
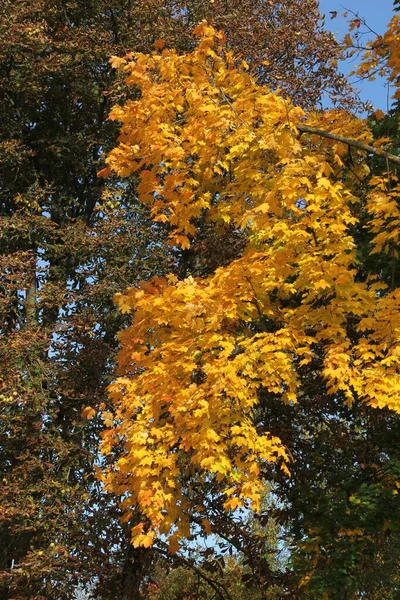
<point>296,319</point>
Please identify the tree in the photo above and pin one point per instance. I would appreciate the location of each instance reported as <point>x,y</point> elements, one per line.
<point>67,246</point>
<point>295,319</point>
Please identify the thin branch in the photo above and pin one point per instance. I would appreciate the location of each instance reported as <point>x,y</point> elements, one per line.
<point>228,101</point>
<point>327,134</point>
<point>30,301</point>
<point>363,21</point>
<point>215,585</point>
<point>349,142</point>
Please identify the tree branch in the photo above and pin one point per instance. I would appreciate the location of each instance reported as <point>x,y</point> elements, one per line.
<point>349,142</point>
<point>30,301</point>
<point>199,572</point>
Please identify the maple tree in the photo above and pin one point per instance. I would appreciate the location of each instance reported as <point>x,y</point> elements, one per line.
<point>209,143</point>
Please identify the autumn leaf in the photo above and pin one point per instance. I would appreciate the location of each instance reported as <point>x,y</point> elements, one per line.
<point>206,526</point>
<point>88,413</point>
<point>159,44</point>
<point>378,115</point>
<point>173,545</point>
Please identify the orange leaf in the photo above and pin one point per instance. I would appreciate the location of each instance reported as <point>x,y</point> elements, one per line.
<point>88,413</point>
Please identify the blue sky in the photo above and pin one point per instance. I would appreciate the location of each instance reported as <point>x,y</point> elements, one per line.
<point>377,14</point>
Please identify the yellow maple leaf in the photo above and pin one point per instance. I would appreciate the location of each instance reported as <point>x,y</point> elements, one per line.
<point>88,413</point>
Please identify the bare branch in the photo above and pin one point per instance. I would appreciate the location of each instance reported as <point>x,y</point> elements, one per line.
<point>349,142</point>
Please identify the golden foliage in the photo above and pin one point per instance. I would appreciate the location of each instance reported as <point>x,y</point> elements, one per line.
<point>207,141</point>
<point>381,55</point>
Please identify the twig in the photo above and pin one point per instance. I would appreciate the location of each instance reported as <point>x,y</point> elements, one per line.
<point>362,20</point>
